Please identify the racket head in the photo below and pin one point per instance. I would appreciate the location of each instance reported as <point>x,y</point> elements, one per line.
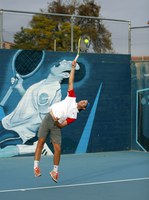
<point>84,46</point>
<point>27,62</point>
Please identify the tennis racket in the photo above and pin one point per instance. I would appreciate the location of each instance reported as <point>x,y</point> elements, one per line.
<point>83,45</point>
<point>25,63</point>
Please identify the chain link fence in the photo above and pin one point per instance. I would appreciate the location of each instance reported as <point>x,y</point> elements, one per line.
<point>140,41</point>
<point>124,38</point>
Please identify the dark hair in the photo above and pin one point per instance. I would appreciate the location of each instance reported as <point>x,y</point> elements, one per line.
<point>88,104</point>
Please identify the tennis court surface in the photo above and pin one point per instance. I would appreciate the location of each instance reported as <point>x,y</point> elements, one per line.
<point>95,176</point>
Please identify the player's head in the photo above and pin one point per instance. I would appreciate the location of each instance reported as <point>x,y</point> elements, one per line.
<point>82,105</point>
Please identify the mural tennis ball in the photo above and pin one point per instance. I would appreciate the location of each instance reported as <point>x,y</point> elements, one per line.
<point>86,41</point>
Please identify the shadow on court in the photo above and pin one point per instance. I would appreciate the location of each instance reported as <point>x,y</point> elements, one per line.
<point>95,176</point>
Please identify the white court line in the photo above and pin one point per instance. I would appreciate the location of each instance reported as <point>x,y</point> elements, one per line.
<point>74,185</point>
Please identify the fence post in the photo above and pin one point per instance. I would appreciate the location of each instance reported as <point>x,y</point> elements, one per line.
<point>72,24</point>
<point>129,38</point>
<point>55,45</point>
<point>1,29</point>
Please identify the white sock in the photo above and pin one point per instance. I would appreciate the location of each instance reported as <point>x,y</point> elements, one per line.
<point>55,168</point>
<point>36,163</point>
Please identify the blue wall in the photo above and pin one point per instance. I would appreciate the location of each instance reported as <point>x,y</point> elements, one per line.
<point>105,80</point>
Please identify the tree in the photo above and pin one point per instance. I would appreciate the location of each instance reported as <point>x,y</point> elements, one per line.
<point>45,28</point>
<point>39,36</point>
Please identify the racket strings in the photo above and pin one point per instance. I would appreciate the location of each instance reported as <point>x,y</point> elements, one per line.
<point>84,46</point>
<point>27,61</point>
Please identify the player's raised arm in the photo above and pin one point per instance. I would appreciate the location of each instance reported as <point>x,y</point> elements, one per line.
<point>72,75</point>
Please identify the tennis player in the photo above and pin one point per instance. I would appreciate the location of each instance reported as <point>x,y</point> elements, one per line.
<point>60,115</point>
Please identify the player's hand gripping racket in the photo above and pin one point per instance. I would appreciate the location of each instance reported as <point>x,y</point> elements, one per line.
<point>83,45</point>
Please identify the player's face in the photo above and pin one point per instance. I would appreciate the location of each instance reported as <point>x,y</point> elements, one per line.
<point>82,104</point>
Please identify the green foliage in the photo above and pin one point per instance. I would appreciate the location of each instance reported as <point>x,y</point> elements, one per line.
<point>45,28</point>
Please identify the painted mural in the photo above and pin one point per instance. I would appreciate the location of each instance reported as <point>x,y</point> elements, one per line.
<point>31,81</point>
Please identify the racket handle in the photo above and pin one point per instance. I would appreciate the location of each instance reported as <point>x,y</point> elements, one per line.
<point>76,58</point>
<point>7,95</point>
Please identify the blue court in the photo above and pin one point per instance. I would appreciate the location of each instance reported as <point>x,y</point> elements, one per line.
<point>106,176</point>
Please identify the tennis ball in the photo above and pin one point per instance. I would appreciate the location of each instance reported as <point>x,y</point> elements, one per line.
<point>86,41</point>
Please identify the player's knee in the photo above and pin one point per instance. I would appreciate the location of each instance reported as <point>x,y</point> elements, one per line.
<point>57,148</point>
<point>41,143</point>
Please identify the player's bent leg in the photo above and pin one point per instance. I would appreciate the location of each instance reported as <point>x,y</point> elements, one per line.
<point>39,148</point>
<point>56,160</point>
<point>57,153</point>
<point>37,156</point>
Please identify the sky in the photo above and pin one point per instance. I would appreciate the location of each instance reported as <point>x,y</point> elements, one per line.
<point>135,11</point>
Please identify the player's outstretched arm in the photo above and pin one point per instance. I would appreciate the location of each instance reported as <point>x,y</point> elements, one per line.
<point>72,75</point>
